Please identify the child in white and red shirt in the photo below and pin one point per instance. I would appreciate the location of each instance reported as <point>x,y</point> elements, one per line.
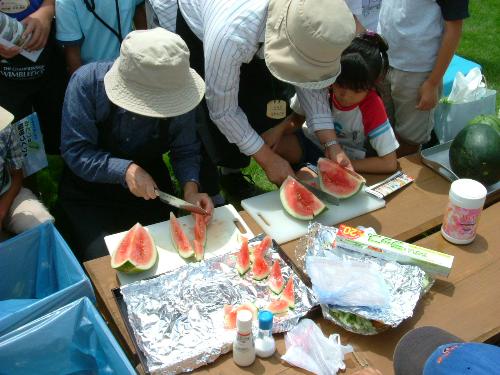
<point>360,119</point>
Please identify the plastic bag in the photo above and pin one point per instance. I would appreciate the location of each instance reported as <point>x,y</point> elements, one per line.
<point>39,274</point>
<point>308,348</point>
<point>71,340</point>
<point>467,88</point>
<point>343,282</point>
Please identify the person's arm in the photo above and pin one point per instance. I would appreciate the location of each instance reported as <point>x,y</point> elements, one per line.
<point>429,91</point>
<point>85,105</point>
<point>38,25</point>
<point>222,77</point>
<point>73,57</point>
<point>140,21</point>
<point>319,119</point>
<point>8,197</point>
<point>185,157</point>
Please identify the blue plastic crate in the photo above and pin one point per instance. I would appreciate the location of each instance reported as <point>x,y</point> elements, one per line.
<point>39,274</point>
<point>457,64</point>
<point>73,339</point>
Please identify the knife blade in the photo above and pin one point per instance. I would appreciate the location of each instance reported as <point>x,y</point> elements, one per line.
<point>312,185</point>
<point>179,203</point>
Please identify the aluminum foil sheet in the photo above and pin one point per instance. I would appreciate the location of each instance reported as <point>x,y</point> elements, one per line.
<point>177,317</point>
<point>406,283</point>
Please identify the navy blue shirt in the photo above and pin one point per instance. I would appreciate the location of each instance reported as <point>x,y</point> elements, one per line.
<point>86,104</point>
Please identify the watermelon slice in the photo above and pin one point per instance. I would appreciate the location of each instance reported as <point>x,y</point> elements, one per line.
<point>231,311</point>
<point>260,269</point>
<point>278,307</point>
<point>298,201</point>
<point>261,249</point>
<point>179,238</point>
<point>338,181</point>
<point>289,293</point>
<point>136,252</point>
<point>200,236</point>
<point>243,261</point>
<point>276,282</point>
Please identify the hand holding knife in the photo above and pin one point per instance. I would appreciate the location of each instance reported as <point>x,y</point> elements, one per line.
<point>179,203</point>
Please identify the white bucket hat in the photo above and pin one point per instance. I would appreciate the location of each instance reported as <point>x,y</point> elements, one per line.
<point>305,39</point>
<point>5,118</point>
<point>152,76</point>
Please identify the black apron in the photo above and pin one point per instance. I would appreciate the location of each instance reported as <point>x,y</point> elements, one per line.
<point>257,87</point>
<point>86,211</point>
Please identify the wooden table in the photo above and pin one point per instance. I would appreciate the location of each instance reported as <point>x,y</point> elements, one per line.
<point>453,304</point>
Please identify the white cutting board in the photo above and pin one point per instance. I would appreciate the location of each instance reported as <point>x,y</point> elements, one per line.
<point>222,236</point>
<point>267,211</point>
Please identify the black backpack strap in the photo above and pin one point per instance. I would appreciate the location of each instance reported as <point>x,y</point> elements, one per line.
<point>90,4</point>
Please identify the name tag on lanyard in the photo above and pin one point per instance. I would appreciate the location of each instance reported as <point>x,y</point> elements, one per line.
<point>276,109</point>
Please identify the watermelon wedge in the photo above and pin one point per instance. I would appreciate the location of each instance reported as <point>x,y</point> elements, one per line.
<point>136,252</point>
<point>278,307</point>
<point>231,311</point>
<point>261,249</point>
<point>243,261</point>
<point>179,238</point>
<point>338,181</point>
<point>260,269</point>
<point>289,293</point>
<point>298,201</point>
<point>200,237</point>
<point>276,282</point>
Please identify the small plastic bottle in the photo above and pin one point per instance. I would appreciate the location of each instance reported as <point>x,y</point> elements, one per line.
<point>264,343</point>
<point>243,345</point>
<point>462,213</point>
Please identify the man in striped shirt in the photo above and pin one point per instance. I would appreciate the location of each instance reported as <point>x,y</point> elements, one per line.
<point>300,41</point>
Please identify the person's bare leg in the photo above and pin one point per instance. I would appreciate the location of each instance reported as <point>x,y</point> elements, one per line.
<point>289,149</point>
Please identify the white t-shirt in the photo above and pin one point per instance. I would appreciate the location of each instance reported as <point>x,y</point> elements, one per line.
<point>366,11</point>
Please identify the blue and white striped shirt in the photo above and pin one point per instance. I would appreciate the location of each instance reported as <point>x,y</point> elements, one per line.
<point>231,32</point>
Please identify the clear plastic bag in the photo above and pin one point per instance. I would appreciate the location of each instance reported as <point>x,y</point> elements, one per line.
<point>308,348</point>
<point>343,282</point>
<point>467,88</point>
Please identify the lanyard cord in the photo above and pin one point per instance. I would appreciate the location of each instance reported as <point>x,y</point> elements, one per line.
<point>90,4</point>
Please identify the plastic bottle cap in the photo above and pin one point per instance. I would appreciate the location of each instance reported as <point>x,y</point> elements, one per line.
<point>244,321</point>
<point>467,192</point>
<point>265,320</point>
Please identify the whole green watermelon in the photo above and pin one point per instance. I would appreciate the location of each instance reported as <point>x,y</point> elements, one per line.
<point>475,151</point>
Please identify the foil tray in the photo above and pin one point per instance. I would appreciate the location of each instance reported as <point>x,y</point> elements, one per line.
<point>437,158</point>
<point>167,335</point>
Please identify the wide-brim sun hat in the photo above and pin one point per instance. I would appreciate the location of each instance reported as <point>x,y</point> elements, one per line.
<point>304,40</point>
<point>152,77</point>
<point>6,118</point>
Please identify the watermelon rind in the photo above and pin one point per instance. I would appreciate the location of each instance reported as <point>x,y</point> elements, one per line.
<point>278,307</point>
<point>243,258</point>
<point>276,282</point>
<point>325,166</point>
<point>260,269</point>
<point>186,252</point>
<point>261,248</point>
<point>285,191</point>
<point>199,250</point>
<point>128,265</point>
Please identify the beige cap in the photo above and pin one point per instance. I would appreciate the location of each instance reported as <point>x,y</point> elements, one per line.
<point>305,39</point>
<point>152,76</point>
<point>5,118</point>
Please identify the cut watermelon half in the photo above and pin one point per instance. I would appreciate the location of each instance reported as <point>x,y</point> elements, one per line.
<point>179,238</point>
<point>136,251</point>
<point>278,307</point>
<point>261,249</point>
<point>230,313</point>
<point>298,201</point>
<point>243,260</point>
<point>338,181</point>
<point>260,269</point>
<point>289,293</point>
<point>199,250</point>
<point>276,282</point>
<point>200,236</point>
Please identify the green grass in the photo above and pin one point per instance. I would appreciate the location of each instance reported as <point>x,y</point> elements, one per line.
<point>479,43</point>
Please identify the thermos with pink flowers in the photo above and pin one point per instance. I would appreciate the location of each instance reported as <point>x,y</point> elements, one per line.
<point>462,213</point>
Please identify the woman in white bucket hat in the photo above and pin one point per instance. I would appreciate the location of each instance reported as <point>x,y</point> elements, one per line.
<point>249,50</point>
<point>118,120</point>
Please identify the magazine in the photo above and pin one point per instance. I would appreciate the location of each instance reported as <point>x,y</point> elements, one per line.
<point>11,34</point>
<point>31,140</point>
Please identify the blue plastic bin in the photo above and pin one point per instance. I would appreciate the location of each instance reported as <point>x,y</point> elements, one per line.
<point>457,64</point>
<point>71,340</point>
<point>39,274</point>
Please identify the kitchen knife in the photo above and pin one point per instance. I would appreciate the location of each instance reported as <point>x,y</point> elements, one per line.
<point>312,185</point>
<point>179,203</point>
